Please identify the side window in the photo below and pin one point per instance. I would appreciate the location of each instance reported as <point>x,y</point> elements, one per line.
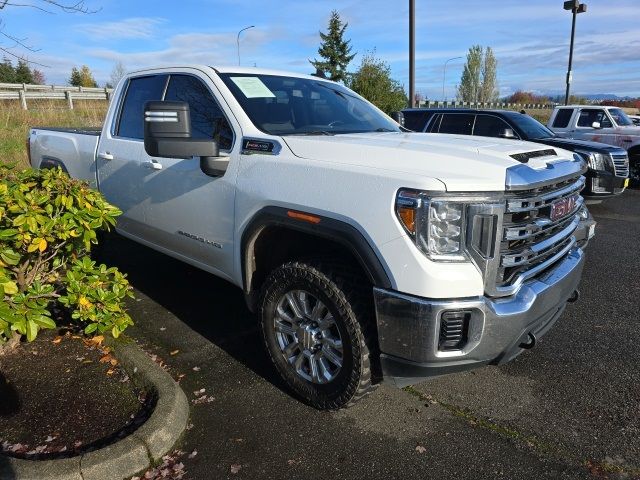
<point>417,120</point>
<point>489,126</point>
<point>140,91</point>
<point>590,115</point>
<point>562,118</point>
<point>207,119</point>
<point>457,123</point>
<point>434,126</point>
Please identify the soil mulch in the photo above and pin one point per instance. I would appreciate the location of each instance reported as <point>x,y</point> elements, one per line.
<point>63,395</point>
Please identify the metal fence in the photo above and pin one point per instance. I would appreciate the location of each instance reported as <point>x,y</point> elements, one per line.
<point>489,105</point>
<point>23,92</point>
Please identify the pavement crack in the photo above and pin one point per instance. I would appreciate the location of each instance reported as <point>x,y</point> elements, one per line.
<point>599,469</point>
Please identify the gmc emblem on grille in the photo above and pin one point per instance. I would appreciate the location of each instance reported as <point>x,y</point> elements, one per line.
<point>563,207</point>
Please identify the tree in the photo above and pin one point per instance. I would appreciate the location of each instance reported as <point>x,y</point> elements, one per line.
<point>116,74</point>
<point>38,77</point>
<point>373,81</point>
<point>23,73</point>
<point>7,73</point>
<point>334,50</point>
<point>526,97</point>
<point>82,77</point>
<point>479,82</point>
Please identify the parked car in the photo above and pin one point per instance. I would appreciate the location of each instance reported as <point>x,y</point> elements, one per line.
<point>367,252</point>
<point>608,165</point>
<point>600,124</point>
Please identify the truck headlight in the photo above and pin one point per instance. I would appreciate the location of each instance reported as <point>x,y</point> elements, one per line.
<point>436,225</point>
<point>598,161</point>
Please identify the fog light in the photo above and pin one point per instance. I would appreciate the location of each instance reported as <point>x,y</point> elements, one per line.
<point>454,328</point>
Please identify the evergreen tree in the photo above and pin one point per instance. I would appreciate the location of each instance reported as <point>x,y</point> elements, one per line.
<point>7,72</point>
<point>23,73</point>
<point>82,77</point>
<point>479,82</point>
<point>334,50</point>
<point>373,81</point>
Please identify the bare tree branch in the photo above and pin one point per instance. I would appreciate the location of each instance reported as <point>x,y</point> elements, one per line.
<point>77,7</point>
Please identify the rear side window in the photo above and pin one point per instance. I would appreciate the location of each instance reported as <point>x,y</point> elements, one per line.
<point>416,121</point>
<point>207,119</point>
<point>457,123</point>
<point>140,91</point>
<point>489,126</point>
<point>590,115</point>
<point>562,118</point>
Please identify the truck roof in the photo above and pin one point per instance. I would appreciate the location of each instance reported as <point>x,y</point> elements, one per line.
<point>231,69</point>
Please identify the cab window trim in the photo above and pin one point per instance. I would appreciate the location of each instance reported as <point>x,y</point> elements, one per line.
<point>508,125</point>
<point>116,124</point>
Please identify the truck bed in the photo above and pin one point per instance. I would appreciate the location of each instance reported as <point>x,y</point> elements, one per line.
<point>72,148</point>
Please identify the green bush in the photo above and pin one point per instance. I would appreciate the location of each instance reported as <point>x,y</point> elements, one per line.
<point>48,223</point>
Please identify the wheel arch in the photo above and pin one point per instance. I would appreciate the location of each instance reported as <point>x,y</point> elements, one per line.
<point>274,230</point>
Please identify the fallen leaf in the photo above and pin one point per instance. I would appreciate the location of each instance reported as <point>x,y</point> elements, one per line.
<point>193,454</point>
<point>97,340</point>
<point>420,449</point>
<point>196,369</point>
<point>199,392</point>
<point>162,329</point>
<point>106,358</point>
<point>175,352</point>
<point>50,439</point>
<point>235,468</point>
<point>88,361</point>
<point>111,371</point>
<point>57,340</point>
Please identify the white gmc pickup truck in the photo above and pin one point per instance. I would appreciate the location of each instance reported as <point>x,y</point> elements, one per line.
<point>368,252</point>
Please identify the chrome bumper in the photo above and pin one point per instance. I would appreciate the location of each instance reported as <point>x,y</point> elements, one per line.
<point>409,327</point>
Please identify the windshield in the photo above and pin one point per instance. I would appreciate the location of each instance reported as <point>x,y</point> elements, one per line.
<point>620,117</point>
<point>531,128</point>
<point>280,105</point>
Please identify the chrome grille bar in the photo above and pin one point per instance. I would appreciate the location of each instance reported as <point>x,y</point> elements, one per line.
<point>621,165</point>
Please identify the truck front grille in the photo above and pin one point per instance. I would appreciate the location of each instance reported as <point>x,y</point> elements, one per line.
<point>621,165</point>
<point>533,238</point>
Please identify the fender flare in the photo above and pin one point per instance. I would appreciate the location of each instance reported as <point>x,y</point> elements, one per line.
<point>48,162</point>
<point>338,231</point>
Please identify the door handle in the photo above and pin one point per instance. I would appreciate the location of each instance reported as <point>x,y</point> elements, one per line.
<point>154,165</point>
<point>105,156</point>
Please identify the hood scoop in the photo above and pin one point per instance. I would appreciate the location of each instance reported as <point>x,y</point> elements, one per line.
<point>525,157</point>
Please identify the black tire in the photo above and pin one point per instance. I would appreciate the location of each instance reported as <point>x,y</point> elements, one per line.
<point>634,171</point>
<point>347,296</point>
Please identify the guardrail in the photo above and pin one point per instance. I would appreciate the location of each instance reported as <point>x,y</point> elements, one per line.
<point>24,91</point>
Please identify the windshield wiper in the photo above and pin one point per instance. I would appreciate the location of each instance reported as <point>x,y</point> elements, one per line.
<point>314,132</point>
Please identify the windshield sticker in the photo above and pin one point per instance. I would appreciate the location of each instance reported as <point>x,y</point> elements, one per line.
<point>252,87</point>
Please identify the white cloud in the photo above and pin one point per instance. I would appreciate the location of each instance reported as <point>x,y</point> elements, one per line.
<point>128,28</point>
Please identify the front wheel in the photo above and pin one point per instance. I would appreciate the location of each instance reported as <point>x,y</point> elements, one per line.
<point>315,319</point>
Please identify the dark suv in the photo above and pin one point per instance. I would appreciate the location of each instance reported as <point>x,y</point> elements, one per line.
<point>608,165</point>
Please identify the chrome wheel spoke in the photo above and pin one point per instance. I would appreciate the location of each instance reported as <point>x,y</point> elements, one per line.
<point>285,329</point>
<point>295,306</point>
<point>327,321</point>
<point>282,313</point>
<point>333,342</point>
<point>290,349</point>
<point>315,373</point>
<point>329,354</point>
<point>318,311</point>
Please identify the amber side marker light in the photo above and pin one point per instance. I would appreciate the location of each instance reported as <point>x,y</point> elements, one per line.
<point>408,217</point>
<point>305,217</point>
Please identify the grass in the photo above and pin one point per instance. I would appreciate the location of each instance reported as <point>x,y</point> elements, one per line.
<point>15,123</point>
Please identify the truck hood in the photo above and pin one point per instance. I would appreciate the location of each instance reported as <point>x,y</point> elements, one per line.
<point>462,163</point>
<point>572,144</point>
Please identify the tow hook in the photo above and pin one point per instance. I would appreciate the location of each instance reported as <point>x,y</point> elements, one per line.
<point>574,296</point>
<point>530,343</point>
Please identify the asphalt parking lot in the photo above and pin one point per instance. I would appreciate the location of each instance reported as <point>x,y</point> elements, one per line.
<point>569,408</point>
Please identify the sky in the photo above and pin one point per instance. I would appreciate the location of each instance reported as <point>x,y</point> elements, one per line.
<point>530,38</point>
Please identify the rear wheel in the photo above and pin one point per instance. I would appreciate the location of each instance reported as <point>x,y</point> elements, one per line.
<point>315,319</point>
<point>634,170</point>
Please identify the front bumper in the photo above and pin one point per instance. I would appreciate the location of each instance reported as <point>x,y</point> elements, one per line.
<point>601,184</point>
<point>409,327</point>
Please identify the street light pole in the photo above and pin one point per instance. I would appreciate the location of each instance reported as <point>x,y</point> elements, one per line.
<point>412,53</point>
<point>576,7</point>
<point>238,40</point>
<point>444,74</point>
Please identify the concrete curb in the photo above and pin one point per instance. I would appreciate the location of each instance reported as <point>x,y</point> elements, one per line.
<point>132,454</point>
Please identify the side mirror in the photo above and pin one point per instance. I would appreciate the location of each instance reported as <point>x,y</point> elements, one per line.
<point>167,133</point>
<point>398,117</point>
<point>507,133</point>
<point>596,125</point>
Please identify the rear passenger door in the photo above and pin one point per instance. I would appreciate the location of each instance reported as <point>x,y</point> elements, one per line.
<point>120,176</point>
<point>561,123</point>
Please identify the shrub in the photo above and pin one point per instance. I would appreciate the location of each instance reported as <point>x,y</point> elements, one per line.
<point>48,223</point>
